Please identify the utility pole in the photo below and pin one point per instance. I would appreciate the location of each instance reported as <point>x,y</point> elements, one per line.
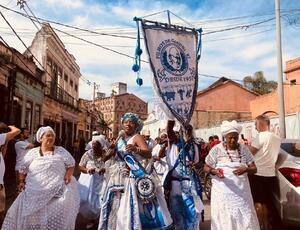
<point>281,111</point>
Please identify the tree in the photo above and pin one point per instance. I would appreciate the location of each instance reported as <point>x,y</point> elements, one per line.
<point>259,84</point>
<point>103,124</point>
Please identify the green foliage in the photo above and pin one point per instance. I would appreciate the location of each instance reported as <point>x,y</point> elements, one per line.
<point>103,124</point>
<point>259,84</point>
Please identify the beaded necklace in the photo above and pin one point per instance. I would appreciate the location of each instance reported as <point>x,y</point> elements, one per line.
<point>238,150</point>
<point>96,160</point>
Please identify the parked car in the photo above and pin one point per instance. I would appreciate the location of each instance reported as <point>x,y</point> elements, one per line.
<point>287,191</point>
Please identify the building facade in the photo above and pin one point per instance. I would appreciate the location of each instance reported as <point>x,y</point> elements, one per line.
<point>114,107</point>
<point>23,90</point>
<point>61,74</point>
<point>268,103</point>
<point>223,100</point>
<point>84,121</point>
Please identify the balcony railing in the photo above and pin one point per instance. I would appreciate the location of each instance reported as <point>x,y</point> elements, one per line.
<point>59,94</point>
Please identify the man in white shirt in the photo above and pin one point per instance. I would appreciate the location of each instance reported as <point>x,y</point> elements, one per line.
<point>7,133</point>
<point>265,148</point>
<point>22,146</point>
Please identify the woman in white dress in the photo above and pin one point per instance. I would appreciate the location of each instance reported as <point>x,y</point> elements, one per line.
<point>50,198</point>
<point>91,180</point>
<point>131,199</point>
<point>232,206</point>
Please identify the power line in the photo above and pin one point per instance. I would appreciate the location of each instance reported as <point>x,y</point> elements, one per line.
<point>82,78</point>
<point>271,12</point>
<point>240,27</point>
<point>185,21</point>
<point>230,78</point>
<point>129,37</point>
<point>98,45</point>
<point>68,26</point>
<point>16,55</point>
<point>27,48</point>
<point>239,36</point>
<point>150,15</point>
<point>92,43</point>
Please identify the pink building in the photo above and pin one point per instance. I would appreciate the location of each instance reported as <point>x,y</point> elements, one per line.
<point>223,100</point>
<point>268,103</point>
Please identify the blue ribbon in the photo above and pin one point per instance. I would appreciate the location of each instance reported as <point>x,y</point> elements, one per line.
<point>199,48</point>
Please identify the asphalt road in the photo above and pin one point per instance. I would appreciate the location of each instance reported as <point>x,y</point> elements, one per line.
<point>205,225</point>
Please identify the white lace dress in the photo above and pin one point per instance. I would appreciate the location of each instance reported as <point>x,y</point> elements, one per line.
<point>232,205</point>
<point>46,202</point>
<point>90,186</point>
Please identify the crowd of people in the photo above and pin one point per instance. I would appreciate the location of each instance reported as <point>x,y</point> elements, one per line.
<point>135,182</point>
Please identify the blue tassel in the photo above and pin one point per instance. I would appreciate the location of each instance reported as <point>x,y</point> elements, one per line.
<point>138,51</point>
<point>135,68</point>
<point>139,81</point>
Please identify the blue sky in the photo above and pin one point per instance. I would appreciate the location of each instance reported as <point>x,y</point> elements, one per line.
<point>236,53</point>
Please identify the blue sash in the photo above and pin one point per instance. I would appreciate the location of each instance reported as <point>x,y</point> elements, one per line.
<point>151,214</point>
<point>185,152</point>
<point>136,168</point>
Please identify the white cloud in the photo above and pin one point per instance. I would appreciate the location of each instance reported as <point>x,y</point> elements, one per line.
<point>257,50</point>
<point>72,4</point>
<point>237,57</point>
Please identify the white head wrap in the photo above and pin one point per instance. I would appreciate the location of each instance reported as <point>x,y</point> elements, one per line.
<point>230,127</point>
<point>101,140</point>
<point>41,131</point>
<point>95,133</point>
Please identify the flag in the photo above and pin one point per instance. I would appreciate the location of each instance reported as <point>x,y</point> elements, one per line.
<point>173,59</point>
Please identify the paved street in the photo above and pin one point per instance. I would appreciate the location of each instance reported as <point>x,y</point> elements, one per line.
<point>206,224</point>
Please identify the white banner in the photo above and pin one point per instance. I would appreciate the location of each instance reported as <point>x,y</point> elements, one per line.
<point>173,60</point>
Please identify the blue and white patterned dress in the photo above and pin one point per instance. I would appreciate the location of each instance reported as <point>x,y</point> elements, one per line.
<point>186,193</point>
<point>123,209</point>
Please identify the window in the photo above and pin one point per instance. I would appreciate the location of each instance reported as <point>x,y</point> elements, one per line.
<point>71,83</point>
<point>293,82</point>
<point>291,148</point>
<point>49,62</point>
<point>76,87</point>
<point>17,108</point>
<point>37,116</point>
<point>28,115</point>
<point>66,77</point>
<point>59,73</point>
